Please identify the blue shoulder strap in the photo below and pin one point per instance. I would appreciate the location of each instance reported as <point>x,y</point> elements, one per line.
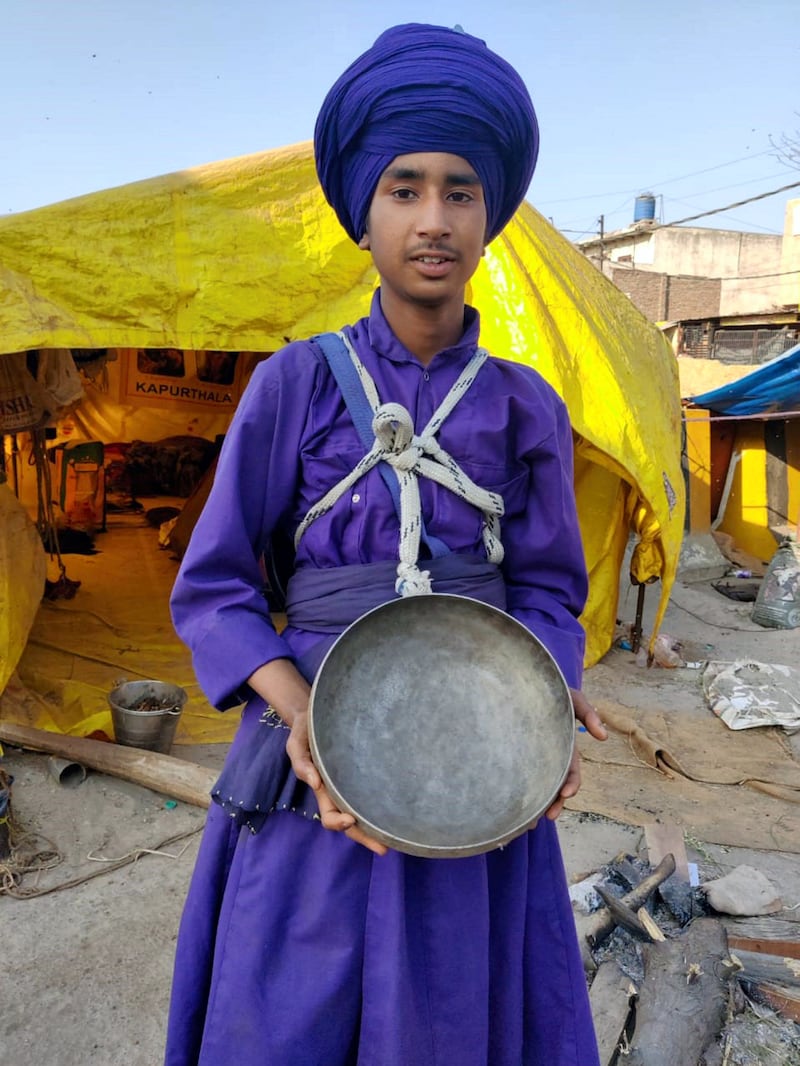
<point>346,375</point>
<point>341,365</point>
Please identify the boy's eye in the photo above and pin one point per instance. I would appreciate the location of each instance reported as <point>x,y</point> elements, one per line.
<point>460,197</point>
<point>403,194</point>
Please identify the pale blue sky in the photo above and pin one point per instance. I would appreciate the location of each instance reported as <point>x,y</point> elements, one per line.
<point>676,98</point>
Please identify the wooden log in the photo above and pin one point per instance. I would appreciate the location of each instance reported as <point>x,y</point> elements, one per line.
<point>611,996</point>
<point>604,922</point>
<point>775,969</point>
<point>182,780</point>
<point>651,926</point>
<point>786,1001</point>
<point>767,945</point>
<point>625,873</point>
<point>683,1000</point>
<point>771,967</point>
<point>622,915</point>
<point>766,928</point>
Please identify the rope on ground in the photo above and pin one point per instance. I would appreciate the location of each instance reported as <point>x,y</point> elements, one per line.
<point>60,609</point>
<point>11,873</point>
<point>137,852</point>
<point>717,625</point>
<point>52,646</point>
<point>23,858</point>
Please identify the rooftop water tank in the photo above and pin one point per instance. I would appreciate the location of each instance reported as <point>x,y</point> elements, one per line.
<point>644,208</point>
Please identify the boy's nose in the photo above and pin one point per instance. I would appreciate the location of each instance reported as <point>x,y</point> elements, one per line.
<point>432,220</point>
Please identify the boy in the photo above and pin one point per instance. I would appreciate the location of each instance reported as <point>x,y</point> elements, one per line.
<point>301,947</point>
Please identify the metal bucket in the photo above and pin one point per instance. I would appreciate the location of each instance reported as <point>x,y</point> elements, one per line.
<point>145,713</point>
<point>442,725</point>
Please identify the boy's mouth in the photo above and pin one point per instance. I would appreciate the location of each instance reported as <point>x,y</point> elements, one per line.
<point>433,262</point>
<point>433,266</point>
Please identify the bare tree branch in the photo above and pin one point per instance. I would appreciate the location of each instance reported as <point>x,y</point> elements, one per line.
<point>787,147</point>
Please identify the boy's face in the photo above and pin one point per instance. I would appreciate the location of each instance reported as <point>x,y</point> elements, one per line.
<point>426,228</point>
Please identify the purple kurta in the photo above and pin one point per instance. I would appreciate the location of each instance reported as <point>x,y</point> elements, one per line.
<point>297,946</point>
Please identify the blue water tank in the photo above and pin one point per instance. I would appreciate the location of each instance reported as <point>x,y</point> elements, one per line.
<point>644,208</point>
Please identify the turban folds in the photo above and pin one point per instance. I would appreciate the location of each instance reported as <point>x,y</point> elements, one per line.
<point>426,89</point>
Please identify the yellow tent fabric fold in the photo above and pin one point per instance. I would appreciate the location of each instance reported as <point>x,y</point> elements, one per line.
<point>244,254</point>
<point>22,577</point>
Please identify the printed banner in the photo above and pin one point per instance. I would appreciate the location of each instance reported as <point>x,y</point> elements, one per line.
<point>170,376</point>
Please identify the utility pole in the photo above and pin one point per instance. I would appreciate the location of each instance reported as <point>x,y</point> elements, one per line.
<point>601,222</point>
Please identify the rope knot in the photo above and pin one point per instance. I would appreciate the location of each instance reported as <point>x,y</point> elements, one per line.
<point>411,581</point>
<point>393,427</point>
<point>394,432</point>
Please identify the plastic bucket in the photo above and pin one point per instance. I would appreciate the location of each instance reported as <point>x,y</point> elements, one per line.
<point>145,713</point>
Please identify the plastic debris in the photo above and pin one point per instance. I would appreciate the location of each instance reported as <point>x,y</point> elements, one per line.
<point>746,694</point>
<point>667,651</point>
<point>778,601</point>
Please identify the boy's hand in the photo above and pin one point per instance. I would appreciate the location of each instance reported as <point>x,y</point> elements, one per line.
<point>297,748</point>
<point>587,716</point>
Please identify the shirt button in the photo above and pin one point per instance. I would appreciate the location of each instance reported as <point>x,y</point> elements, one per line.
<point>355,497</point>
<point>426,376</point>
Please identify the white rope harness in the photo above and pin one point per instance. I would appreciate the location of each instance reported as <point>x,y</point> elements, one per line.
<point>412,456</point>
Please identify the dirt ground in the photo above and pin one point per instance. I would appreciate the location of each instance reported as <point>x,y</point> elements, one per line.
<point>86,967</point>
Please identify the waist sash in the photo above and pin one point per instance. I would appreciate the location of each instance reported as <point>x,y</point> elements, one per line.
<point>328,601</point>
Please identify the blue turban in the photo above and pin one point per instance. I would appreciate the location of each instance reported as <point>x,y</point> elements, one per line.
<point>426,89</point>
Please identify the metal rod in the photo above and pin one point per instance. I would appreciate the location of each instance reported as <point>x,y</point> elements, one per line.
<point>636,634</point>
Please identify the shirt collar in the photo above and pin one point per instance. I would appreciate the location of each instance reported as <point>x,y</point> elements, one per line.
<point>383,341</point>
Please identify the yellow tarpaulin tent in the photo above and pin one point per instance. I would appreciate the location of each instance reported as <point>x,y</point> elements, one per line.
<point>242,254</point>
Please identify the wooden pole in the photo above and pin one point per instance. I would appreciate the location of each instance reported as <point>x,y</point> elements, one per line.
<point>185,781</point>
<point>684,997</point>
<point>5,815</point>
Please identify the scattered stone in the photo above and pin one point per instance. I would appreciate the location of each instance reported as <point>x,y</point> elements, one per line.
<point>744,891</point>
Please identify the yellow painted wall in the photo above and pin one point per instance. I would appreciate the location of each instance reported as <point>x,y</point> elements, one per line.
<point>793,463</point>
<point>746,516</point>
<point>698,460</point>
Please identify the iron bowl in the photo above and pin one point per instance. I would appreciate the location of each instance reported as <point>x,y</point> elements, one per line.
<point>442,724</point>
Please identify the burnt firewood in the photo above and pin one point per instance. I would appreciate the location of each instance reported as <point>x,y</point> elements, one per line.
<point>684,997</point>
<point>611,995</point>
<point>605,921</point>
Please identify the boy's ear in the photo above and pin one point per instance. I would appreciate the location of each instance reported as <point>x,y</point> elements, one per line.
<point>363,244</point>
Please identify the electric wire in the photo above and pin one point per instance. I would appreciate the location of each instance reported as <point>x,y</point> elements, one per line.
<point>739,203</point>
<point>658,184</point>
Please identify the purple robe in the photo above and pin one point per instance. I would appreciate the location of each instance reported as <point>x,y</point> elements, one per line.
<point>298,947</point>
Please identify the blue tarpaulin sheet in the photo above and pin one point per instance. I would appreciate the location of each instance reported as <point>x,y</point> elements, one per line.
<point>773,388</point>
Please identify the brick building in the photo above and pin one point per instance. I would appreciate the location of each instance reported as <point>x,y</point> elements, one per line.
<point>718,294</point>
